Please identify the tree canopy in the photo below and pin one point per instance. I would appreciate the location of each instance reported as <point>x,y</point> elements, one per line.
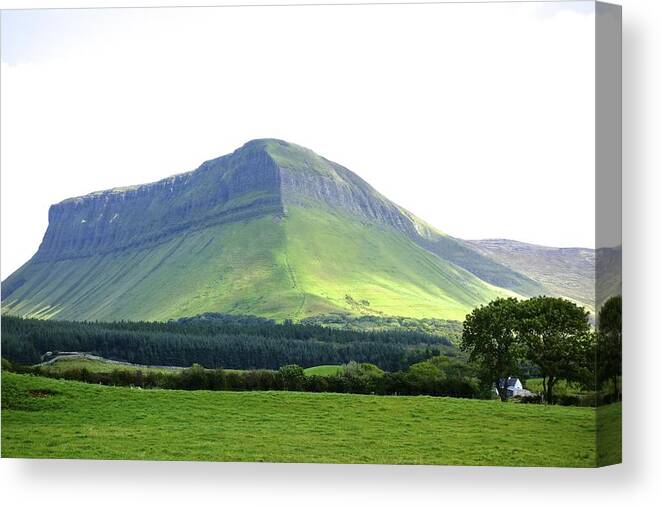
<point>557,338</point>
<point>490,338</point>
<point>609,344</point>
<point>553,335</point>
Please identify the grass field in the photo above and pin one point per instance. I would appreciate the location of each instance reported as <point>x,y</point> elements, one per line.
<point>94,365</point>
<point>47,418</point>
<point>101,366</point>
<point>609,436</point>
<point>324,370</point>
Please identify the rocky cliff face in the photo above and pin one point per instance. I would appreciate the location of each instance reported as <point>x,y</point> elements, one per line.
<point>306,179</point>
<point>241,185</point>
<point>262,177</point>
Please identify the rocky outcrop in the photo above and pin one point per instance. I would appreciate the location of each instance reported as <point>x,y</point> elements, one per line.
<point>241,185</point>
<point>339,188</point>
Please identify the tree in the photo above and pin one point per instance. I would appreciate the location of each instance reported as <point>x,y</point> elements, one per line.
<point>293,377</point>
<point>609,343</point>
<point>490,338</point>
<point>443,376</point>
<point>361,377</point>
<point>557,338</point>
<point>6,365</point>
<point>192,378</point>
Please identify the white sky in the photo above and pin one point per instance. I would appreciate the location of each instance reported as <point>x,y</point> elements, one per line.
<point>477,118</point>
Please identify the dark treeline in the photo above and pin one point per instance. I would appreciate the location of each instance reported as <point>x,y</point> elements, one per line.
<point>377,329</point>
<point>438,376</point>
<point>450,329</point>
<point>228,342</point>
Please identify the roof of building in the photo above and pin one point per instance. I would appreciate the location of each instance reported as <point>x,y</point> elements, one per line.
<point>508,382</point>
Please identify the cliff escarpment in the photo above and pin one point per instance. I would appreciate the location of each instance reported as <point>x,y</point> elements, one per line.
<point>242,185</point>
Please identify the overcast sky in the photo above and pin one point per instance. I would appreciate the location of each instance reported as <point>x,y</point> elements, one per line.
<point>477,118</point>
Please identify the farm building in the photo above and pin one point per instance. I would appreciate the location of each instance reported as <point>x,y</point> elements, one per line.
<point>513,386</point>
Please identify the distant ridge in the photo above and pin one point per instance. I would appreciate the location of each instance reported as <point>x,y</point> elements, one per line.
<point>568,272</point>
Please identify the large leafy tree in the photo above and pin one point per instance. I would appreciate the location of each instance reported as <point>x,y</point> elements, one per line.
<point>557,338</point>
<point>489,336</point>
<point>609,343</point>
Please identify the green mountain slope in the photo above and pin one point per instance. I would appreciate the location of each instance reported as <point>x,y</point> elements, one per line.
<point>272,230</point>
<point>311,262</point>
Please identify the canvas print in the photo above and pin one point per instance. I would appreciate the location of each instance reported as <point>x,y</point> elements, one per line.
<point>322,234</point>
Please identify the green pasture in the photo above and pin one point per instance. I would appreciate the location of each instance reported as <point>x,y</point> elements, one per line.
<point>48,418</point>
<point>324,370</point>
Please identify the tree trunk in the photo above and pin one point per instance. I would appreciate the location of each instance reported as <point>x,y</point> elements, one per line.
<point>544,388</point>
<point>549,387</point>
<point>502,393</point>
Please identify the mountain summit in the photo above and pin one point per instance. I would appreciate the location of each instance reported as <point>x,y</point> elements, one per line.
<point>272,229</point>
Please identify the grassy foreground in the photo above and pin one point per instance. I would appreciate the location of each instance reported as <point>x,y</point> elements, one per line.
<point>47,418</point>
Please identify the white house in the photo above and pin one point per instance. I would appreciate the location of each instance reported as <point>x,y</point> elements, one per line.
<point>513,386</point>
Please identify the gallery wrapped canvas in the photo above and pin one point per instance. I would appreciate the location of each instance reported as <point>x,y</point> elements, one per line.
<point>404,246</point>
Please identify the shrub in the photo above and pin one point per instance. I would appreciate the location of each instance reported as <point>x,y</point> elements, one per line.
<point>194,377</point>
<point>6,365</point>
<point>293,377</point>
<point>536,398</point>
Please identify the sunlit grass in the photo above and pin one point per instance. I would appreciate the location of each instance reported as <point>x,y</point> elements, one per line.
<point>324,370</point>
<point>49,418</point>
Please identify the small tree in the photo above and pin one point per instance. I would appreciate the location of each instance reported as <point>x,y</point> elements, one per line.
<point>557,339</point>
<point>293,377</point>
<point>6,365</point>
<point>361,377</point>
<point>191,378</point>
<point>443,376</point>
<point>489,336</point>
<point>609,343</point>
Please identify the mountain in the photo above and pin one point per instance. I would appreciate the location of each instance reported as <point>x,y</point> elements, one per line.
<point>566,272</point>
<point>272,229</point>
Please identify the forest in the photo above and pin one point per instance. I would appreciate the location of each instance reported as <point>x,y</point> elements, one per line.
<point>216,340</point>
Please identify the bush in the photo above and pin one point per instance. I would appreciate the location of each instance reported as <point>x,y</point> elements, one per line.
<point>193,378</point>
<point>536,398</point>
<point>442,376</point>
<point>293,377</point>
<point>6,365</point>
